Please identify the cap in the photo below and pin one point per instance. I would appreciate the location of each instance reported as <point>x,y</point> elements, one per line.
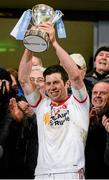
<point>38,68</point>
<point>79,60</point>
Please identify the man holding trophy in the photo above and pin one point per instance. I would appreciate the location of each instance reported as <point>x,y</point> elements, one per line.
<point>62,120</point>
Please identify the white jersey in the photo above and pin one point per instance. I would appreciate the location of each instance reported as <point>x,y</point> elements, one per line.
<point>62,132</point>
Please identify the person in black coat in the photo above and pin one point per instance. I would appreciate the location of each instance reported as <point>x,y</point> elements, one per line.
<point>21,147</point>
<point>100,71</point>
<point>6,93</point>
<point>18,133</point>
<point>95,167</point>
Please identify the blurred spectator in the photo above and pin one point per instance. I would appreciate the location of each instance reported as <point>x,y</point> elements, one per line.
<point>101,68</point>
<point>81,63</point>
<point>36,77</point>
<point>15,83</point>
<point>21,147</point>
<point>96,140</point>
<point>6,92</point>
<point>18,135</point>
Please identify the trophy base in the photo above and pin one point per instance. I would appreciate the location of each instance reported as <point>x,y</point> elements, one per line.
<point>35,43</point>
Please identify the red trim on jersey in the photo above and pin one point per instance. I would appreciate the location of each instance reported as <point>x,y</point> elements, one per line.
<point>59,103</point>
<point>79,100</point>
<point>34,106</point>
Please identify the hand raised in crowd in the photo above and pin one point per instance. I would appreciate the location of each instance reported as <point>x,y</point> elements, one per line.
<point>93,117</point>
<point>105,122</point>
<point>15,111</point>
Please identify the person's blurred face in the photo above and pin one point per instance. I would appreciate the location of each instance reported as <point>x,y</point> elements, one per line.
<point>37,78</point>
<point>102,62</point>
<point>26,108</point>
<point>100,95</point>
<point>55,87</point>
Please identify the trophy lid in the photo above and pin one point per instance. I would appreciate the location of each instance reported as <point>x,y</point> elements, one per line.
<point>42,13</point>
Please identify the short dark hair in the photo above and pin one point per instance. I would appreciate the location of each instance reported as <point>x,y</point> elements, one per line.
<point>103,48</point>
<point>56,69</point>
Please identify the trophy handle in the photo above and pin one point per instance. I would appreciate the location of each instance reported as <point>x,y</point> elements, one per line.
<point>58,14</point>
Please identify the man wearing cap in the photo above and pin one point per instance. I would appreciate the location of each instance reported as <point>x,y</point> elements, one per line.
<point>81,63</point>
<point>101,69</point>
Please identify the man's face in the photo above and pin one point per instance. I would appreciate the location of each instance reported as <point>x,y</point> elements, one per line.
<point>100,95</point>
<point>55,87</point>
<point>37,78</point>
<point>102,62</point>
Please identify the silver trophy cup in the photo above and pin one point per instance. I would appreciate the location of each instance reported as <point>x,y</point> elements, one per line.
<point>36,40</point>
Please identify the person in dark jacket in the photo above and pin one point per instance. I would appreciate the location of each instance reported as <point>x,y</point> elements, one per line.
<point>95,167</point>
<point>6,93</point>
<point>21,147</point>
<point>18,133</point>
<point>100,70</point>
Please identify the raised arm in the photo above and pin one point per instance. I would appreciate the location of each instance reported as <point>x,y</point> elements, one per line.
<point>64,57</point>
<point>25,66</point>
<point>24,72</point>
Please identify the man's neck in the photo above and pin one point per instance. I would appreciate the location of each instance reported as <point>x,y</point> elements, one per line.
<point>60,102</point>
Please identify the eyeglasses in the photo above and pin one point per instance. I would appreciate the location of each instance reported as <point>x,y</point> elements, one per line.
<point>37,80</point>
